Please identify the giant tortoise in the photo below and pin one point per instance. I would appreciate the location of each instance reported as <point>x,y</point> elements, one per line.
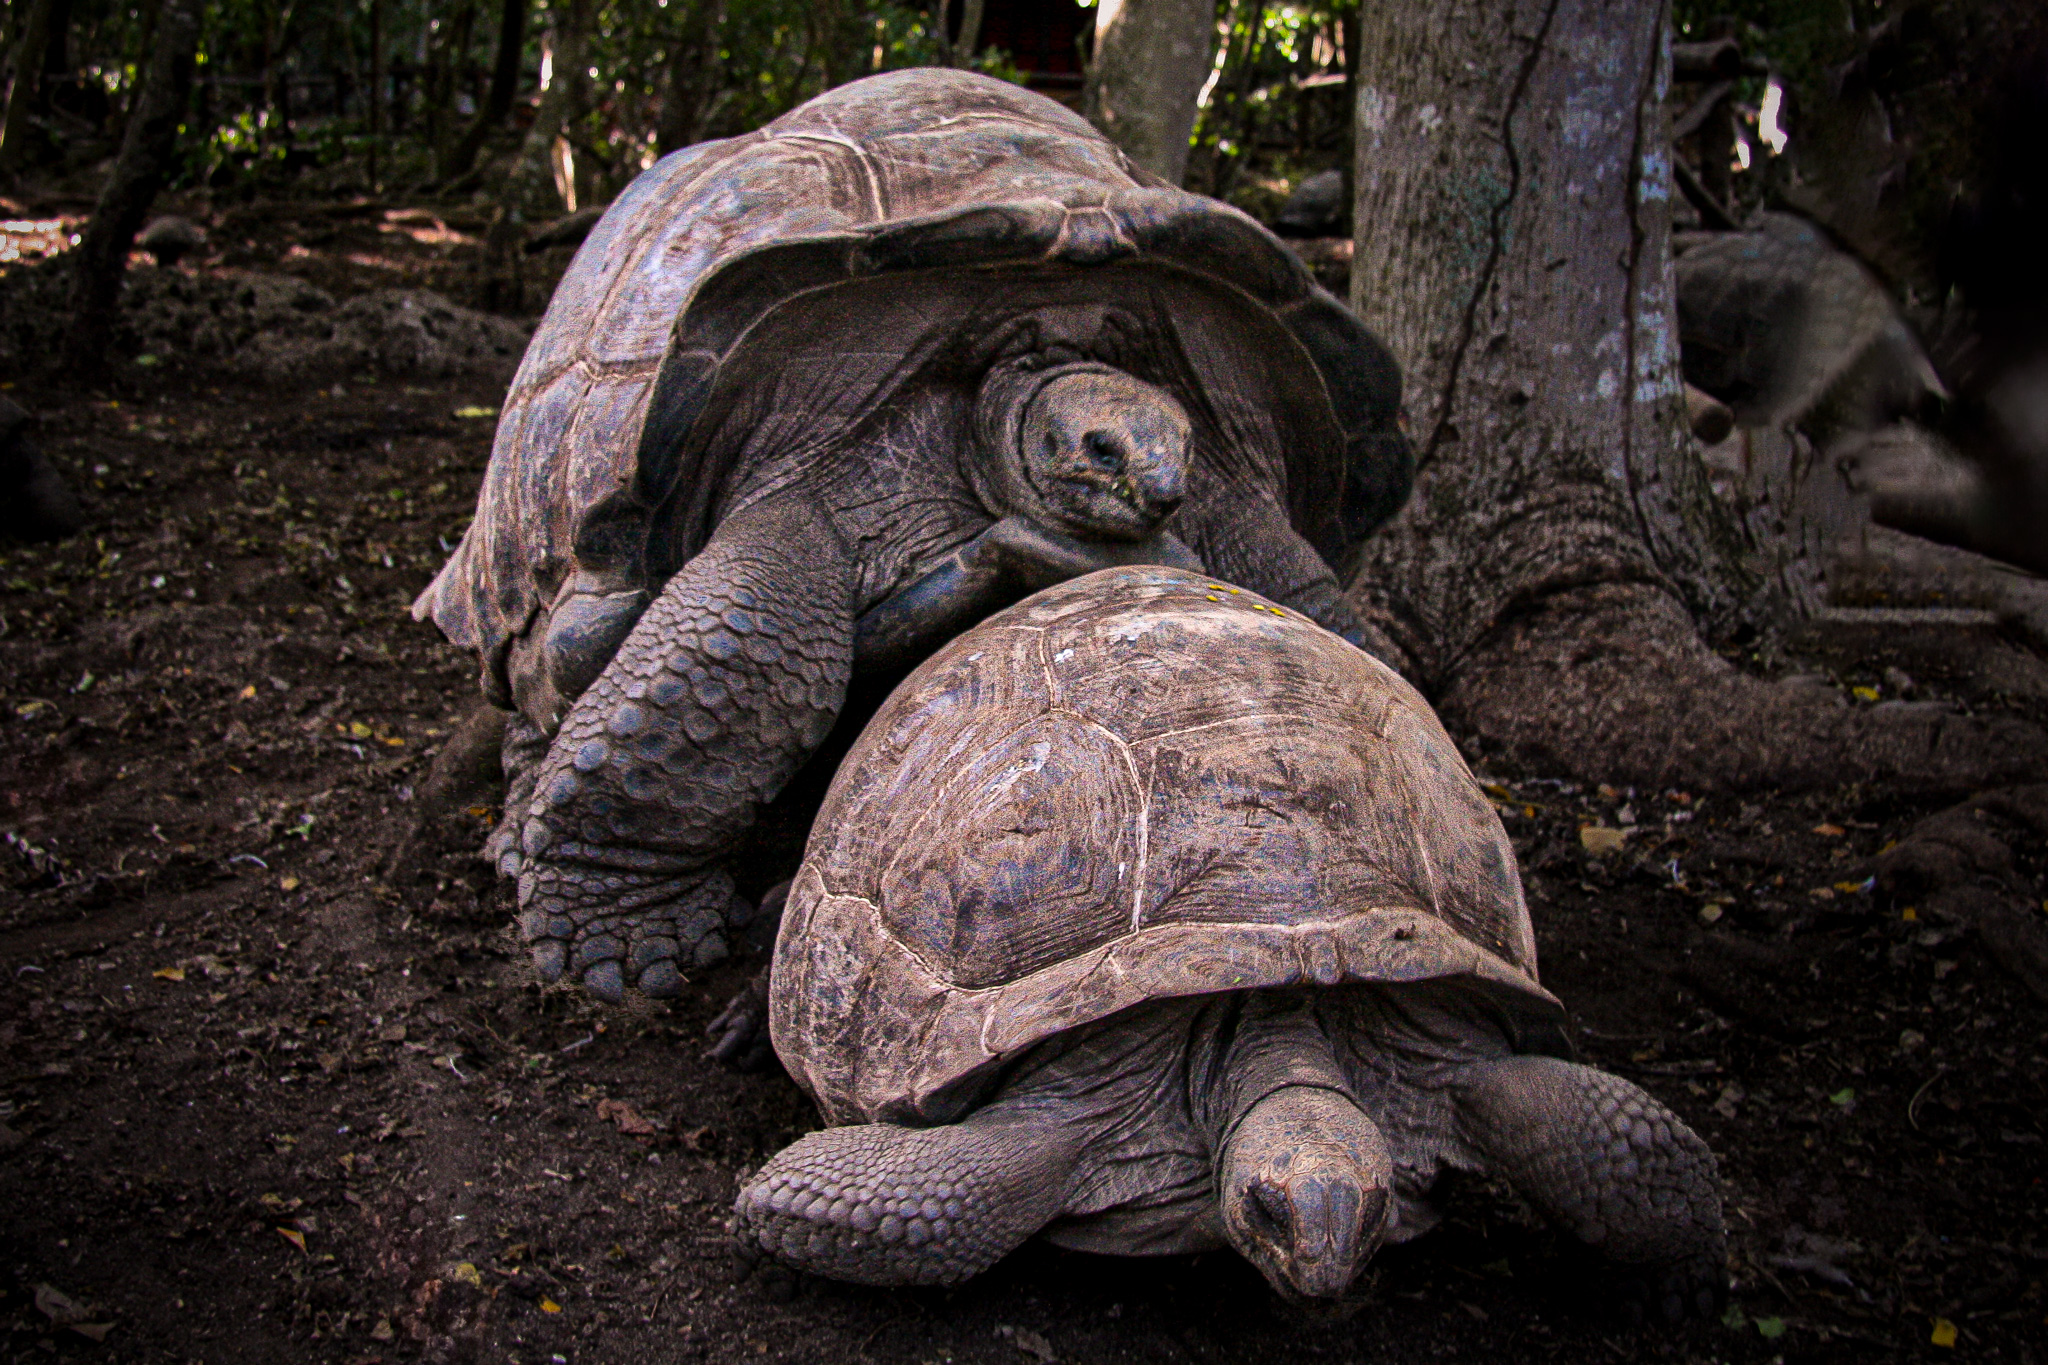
<point>1150,916</point>
<point>814,399</point>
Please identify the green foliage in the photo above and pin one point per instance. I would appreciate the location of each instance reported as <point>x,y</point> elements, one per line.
<point>284,86</point>
<point>1277,107</point>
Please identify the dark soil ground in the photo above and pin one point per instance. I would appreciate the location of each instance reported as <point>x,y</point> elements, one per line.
<point>277,1083</point>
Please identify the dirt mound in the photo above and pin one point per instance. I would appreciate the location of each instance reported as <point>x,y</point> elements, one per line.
<point>260,326</point>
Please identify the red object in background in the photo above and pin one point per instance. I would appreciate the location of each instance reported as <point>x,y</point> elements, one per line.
<point>1043,37</point>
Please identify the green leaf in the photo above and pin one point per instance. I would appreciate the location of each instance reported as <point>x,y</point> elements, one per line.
<point>1770,1328</point>
<point>1846,1095</point>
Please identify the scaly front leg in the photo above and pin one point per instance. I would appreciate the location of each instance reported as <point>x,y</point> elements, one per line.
<point>878,1204</point>
<point>1003,565</point>
<point>722,689</point>
<point>1611,1166</point>
<point>1244,537</point>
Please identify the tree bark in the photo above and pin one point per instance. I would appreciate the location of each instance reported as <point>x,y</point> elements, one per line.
<point>28,68</point>
<point>970,32</point>
<point>498,103</point>
<point>1548,577</point>
<point>375,90</point>
<point>147,152</point>
<point>558,104</point>
<point>1151,57</point>
<point>687,94</point>
<point>445,60</point>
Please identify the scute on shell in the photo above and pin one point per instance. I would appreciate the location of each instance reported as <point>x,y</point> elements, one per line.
<point>1137,785</point>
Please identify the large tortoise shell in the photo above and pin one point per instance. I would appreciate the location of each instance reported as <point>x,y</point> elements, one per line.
<point>1137,785</point>
<point>600,448</point>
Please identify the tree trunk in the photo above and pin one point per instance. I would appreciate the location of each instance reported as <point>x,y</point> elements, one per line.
<point>558,104</point>
<point>1151,57</point>
<point>970,32</point>
<point>278,38</point>
<point>1547,579</point>
<point>445,61</point>
<point>376,87</point>
<point>1244,69</point>
<point>687,93</point>
<point>28,68</point>
<point>837,40</point>
<point>504,86</point>
<point>146,22</point>
<point>147,152</point>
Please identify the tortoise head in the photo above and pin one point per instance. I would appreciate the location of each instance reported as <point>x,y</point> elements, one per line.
<point>1306,1189</point>
<point>1084,449</point>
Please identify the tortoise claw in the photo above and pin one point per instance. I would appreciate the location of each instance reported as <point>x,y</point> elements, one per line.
<point>1669,1294</point>
<point>618,931</point>
<point>740,1032</point>
<point>606,982</point>
<point>550,956</point>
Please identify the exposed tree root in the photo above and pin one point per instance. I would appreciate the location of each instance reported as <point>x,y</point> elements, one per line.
<point>1612,683</point>
<point>1959,866</point>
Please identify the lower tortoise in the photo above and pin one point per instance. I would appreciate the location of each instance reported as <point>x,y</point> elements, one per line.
<point>1149,917</point>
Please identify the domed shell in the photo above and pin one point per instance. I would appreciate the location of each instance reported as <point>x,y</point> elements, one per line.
<point>601,459</point>
<point>1137,785</point>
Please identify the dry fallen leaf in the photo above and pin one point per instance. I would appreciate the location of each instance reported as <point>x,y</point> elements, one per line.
<point>467,1273</point>
<point>1599,839</point>
<point>621,1113</point>
<point>1032,1344</point>
<point>1829,831</point>
<point>169,973</point>
<point>59,1307</point>
<point>1944,1333</point>
<point>63,1311</point>
<point>294,1236</point>
<point>550,1306</point>
<point>289,884</point>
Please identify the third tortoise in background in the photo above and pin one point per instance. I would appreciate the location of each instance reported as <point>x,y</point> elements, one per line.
<point>1153,917</point>
<point>816,398</point>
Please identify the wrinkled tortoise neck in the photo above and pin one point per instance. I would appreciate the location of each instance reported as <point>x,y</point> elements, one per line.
<point>1303,1176</point>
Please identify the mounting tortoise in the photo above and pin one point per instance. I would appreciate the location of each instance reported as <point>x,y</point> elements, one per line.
<point>814,399</point>
<point>1152,917</point>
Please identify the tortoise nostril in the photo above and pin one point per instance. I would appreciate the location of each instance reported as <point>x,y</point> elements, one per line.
<point>1105,452</point>
<point>1265,1213</point>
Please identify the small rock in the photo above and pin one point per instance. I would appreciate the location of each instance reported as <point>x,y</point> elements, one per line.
<point>171,238</point>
